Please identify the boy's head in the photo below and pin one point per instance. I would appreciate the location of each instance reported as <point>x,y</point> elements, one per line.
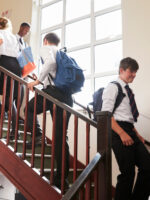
<point>51,39</point>
<point>5,23</point>
<point>127,69</point>
<point>24,29</point>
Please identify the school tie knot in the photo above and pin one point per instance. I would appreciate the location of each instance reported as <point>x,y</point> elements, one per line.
<point>134,109</point>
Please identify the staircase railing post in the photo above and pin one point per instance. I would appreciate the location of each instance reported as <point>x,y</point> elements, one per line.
<point>104,148</point>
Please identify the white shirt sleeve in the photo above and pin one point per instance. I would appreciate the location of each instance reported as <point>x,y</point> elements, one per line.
<point>48,56</point>
<point>1,36</point>
<point>109,97</point>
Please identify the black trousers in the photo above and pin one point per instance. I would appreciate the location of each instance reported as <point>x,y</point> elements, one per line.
<point>127,158</point>
<point>56,93</point>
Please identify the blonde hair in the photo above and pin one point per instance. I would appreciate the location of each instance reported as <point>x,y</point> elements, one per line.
<point>5,23</point>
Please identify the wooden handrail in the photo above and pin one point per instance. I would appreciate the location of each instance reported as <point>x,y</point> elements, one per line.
<point>82,178</point>
<point>48,97</point>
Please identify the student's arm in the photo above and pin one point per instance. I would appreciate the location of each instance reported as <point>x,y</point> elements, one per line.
<point>125,138</point>
<point>49,65</point>
<point>109,98</point>
<point>32,84</point>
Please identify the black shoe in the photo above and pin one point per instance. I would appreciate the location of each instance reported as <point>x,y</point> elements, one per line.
<point>57,183</point>
<point>38,142</point>
<point>11,135</point>
<point>5,115</point>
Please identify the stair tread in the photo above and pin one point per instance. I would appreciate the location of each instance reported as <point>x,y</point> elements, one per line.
<point>19,131</point>
<point>36,155</point>
<point>49,170</point>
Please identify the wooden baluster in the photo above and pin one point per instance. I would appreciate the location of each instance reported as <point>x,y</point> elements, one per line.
<point>34,134</point>
<point>3,105</point>
<point>81,193</point>
<point>87,189</point>
<point>17,117</point>
<point>75,147</point>
<point>25,124</point>
<point>53,144</point>
<point>10,108</point>
<point>63,151</point>
<point>43,137</point>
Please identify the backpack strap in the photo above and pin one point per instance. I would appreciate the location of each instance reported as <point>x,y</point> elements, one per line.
<point>120,95</point>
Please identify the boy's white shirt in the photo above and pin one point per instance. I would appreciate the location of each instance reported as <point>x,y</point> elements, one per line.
<point>48,55</point>
<point>10,46</point>
<point>123,112</point>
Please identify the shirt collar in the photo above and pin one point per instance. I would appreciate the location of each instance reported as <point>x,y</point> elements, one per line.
<point>122,83</point>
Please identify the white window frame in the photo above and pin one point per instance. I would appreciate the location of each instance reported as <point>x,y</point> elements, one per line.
<point>93,42</point>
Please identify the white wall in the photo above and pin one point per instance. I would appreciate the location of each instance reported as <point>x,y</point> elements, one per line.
<point>136,40</point>
<point>20,11</point>
<point>8,191</point>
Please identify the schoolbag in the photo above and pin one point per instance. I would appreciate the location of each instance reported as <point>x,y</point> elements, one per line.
<point>69,76</point>
<point>97,99</point>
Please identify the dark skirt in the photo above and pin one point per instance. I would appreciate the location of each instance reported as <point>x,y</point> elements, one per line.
<point>11,64</point>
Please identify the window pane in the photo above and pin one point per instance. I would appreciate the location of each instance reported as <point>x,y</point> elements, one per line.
<point>103,81</point>
<point>103,4</point>
<point>83,59</point>
<point>57,31</point>
<point>108,25</point>
<point>108,56</point>
<point>85,96</point>
<point>77,8</point>
<point>78,33</point>
<point>45,1</point>
<point>52,15</point>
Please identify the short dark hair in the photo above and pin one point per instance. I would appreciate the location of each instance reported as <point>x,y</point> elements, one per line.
<point>25,24</point>
<point>129,63</point>
<point>52,38</point>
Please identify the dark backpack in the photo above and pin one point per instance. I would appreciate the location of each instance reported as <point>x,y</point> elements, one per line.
<point>69,76</point>
<point>97,99</point>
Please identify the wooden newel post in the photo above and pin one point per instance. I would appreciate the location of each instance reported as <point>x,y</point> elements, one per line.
<point>104,148</point>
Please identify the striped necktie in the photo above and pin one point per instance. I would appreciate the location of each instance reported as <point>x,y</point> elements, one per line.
<point>20,40</point>
<point>134,109</point>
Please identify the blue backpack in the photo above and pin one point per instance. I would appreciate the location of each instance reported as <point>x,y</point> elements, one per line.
<point>69,76</point>
<point>97,99</point>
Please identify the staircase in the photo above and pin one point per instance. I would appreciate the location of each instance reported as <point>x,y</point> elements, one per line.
<point>37,160</point>
<point>32,171</point>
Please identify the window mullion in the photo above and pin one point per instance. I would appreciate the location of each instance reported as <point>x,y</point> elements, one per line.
<point>93,38</point>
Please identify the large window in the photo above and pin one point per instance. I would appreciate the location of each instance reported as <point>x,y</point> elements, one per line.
<point>92,32</point>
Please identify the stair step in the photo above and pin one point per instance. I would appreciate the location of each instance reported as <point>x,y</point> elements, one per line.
<point>37,156</point>
<point>70,176</point>
<point>38,149</point>
<point>20,133</point>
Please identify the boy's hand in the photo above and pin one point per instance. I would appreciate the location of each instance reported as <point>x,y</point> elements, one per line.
<point>32,84</point>
<point>126,139</point>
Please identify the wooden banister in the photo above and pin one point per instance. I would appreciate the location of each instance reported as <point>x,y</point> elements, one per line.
<point>50,98</point>
<point>101,162</point>
<point>82,178</point>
